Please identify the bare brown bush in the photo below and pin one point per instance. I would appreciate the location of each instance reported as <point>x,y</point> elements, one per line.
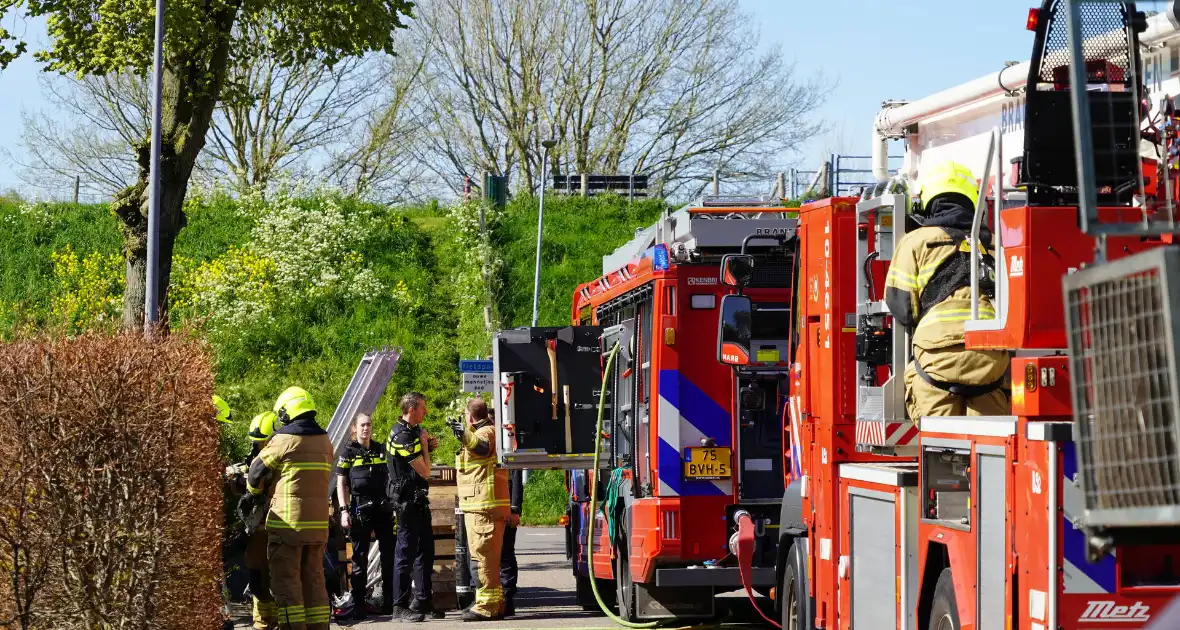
<point>110,496</point>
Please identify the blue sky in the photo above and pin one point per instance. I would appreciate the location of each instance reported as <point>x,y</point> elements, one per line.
<point>871,50</point>
<point>874,51</point>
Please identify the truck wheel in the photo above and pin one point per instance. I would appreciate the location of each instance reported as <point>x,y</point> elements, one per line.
<point>944,612</point>
<point>797,606</point>
<point>626,588</point>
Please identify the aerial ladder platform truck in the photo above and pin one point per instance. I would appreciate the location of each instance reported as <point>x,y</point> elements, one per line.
<point>1065,514</point>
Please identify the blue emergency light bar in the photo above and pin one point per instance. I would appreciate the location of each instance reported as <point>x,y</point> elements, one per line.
<point>659,257</point>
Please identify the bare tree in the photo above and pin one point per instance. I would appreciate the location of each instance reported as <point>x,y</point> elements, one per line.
<point>670,88</point>
<point>275,119</point>
<point>107,115</point>
<point>382,155</point>
<point>285,116</point>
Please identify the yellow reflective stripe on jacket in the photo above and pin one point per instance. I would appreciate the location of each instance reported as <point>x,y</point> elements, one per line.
<point>268,460</point>
<point>252,490</point>
<point>955,315</point>
<point>900,279</point>
<point>469,439</point>
<point>472,463</point>
<point>288,468</point>
<point>295,525</point>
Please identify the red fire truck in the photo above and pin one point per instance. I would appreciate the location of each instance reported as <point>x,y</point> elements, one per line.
<point>993,522</point>
<point>682,463</point>
<point>864,518</point>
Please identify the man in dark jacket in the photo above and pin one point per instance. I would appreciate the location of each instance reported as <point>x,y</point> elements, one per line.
<point>409,471</point>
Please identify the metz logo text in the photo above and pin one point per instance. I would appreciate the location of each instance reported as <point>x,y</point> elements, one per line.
<point>1108,611</point>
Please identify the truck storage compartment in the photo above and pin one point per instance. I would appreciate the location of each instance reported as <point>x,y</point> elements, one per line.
<point>880,564</point>
<point>547,401</point>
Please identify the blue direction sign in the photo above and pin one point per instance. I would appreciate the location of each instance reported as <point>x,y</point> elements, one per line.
<point>476,365</point>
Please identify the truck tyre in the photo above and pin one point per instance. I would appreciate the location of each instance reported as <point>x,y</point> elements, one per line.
<point>626,587</point>
<point>944,612</point>
<point>798,609</point>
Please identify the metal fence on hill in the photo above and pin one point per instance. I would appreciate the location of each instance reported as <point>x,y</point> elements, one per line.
<point>79,192</point>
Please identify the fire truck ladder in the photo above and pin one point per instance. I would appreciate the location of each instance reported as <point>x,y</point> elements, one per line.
<point>365,389</point>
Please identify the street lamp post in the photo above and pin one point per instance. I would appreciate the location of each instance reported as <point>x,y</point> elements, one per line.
<point>548,144</point>
<point>151,301</point>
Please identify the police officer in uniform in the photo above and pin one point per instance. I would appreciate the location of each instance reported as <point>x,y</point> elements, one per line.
<point>409,470</point>
<point>928,290</point>
<point>483,499</point>
<point>362,480</point>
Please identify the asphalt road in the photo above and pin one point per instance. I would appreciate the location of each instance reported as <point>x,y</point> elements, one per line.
<point>545,595</point>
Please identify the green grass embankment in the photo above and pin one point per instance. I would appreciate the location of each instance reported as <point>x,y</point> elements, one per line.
<point>415,282</point>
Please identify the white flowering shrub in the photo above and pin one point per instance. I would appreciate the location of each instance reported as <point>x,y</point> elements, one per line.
<point>38,214</point>
<point>302,250</point>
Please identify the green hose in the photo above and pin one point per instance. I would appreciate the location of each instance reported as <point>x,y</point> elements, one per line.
<point>594,500</point>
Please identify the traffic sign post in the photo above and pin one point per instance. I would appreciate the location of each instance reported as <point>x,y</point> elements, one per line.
<point>477,376</point>
<point>477,382</point>
<point>483,366</point>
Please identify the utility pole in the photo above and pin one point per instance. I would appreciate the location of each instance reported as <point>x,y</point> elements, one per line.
<point>151,302</point>
<point>548,144</point>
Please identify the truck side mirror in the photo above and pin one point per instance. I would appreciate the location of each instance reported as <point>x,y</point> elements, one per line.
<point>737,270</point>
<point>734,330</point>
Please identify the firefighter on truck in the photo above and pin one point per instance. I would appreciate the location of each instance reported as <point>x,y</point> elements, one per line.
<point>928,290</point>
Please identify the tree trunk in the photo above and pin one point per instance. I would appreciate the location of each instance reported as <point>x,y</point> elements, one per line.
<point>175,172</point>
<point>190,96</point>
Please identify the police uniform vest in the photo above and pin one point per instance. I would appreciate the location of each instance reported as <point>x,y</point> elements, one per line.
<point>482,487</point>
<point>406,487</point>
<point>367,469</point>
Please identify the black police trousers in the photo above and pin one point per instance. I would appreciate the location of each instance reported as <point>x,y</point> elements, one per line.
<point>414,557</point>
<point>379,521</point>
<point>508,568</point>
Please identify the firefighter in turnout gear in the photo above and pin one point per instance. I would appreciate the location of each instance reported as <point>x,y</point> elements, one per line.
<point>362,479</point>
<point>484,501</point>
<point>295,467</point>
<point>928,290</point>
<point>265,613</point>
